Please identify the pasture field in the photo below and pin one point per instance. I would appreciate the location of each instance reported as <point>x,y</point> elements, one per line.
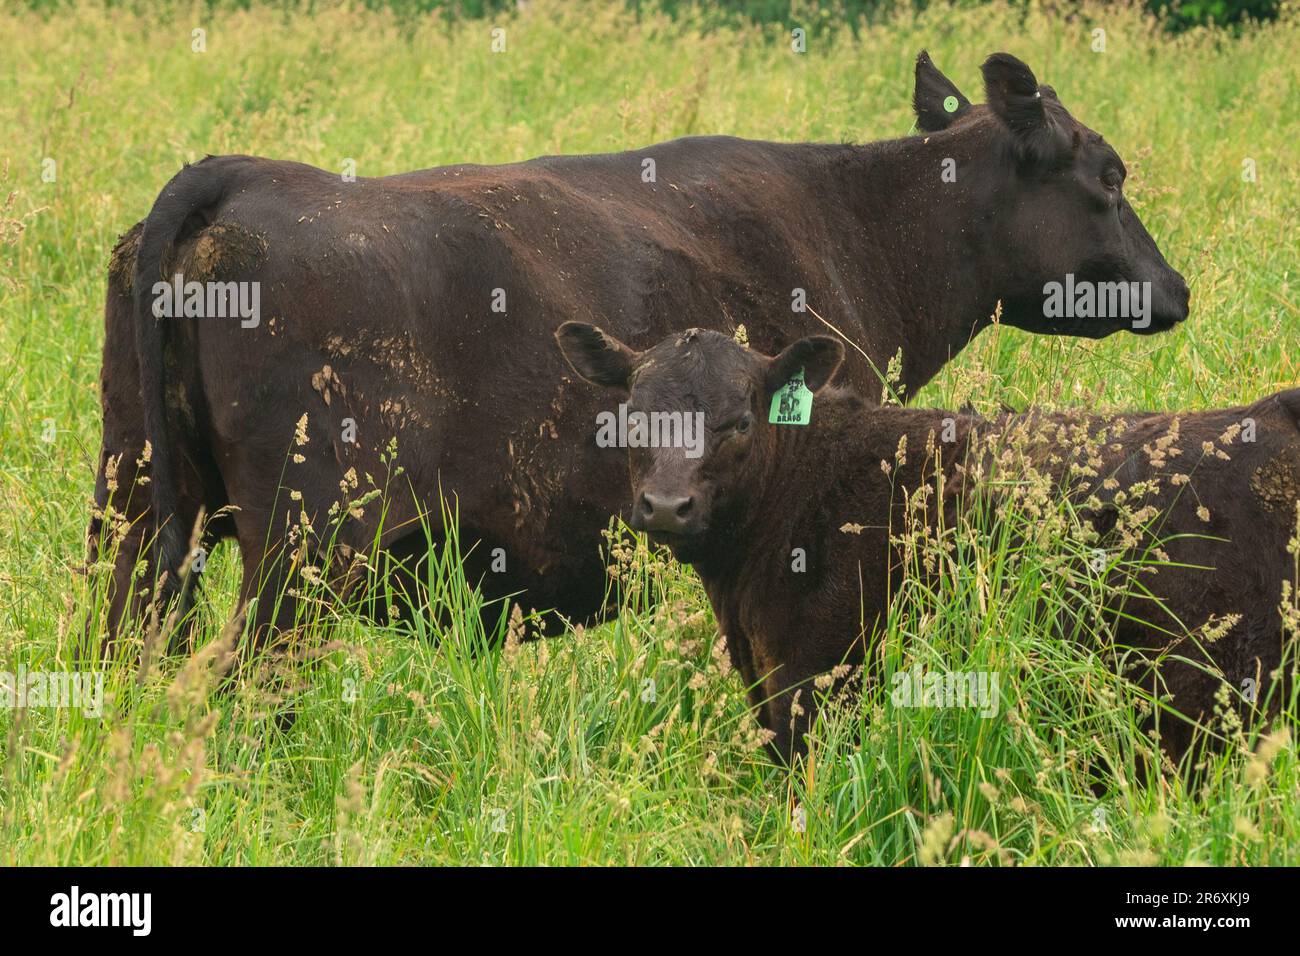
<point>629,743</point>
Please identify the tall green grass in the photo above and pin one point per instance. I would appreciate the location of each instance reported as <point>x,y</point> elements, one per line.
<point>632,742</point>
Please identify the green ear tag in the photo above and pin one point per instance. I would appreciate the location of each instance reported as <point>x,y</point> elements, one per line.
<point>792,404</point>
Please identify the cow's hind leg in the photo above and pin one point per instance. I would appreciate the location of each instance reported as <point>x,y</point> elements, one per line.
<point>120,563</point>
<point>269,592</point>
<point>288,587</point>
<point>122,555</point>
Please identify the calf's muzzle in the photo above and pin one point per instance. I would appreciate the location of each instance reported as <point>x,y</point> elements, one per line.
<point>674,514</point>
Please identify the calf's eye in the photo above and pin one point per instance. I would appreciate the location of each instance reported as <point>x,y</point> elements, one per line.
<point>744,422</point>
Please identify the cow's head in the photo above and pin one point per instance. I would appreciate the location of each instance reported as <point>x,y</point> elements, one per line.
<point>694,502</point>
<point>1043,199</point>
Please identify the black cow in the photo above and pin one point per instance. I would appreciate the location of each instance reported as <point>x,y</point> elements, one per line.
<point>421,306</point>
<point>1208,499</point>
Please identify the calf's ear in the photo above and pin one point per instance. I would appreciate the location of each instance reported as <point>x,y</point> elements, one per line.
<point>933,96</point>
<point>818,355</point>
<point>596,356</point>
<point>1016,99</point>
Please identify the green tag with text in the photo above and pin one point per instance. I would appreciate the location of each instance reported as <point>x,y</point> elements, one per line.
<point>792,404</point>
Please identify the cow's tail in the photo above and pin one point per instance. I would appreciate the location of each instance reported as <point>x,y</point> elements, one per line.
<point>185,204</point>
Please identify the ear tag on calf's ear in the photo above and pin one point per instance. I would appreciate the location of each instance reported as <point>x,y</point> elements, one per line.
<point>792,403</point>
<point>950,104</point>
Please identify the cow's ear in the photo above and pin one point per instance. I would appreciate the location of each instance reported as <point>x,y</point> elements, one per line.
<point>818,355</point>
<point>599,358</point>
<point>936,100</point>
<point>1016,99</point>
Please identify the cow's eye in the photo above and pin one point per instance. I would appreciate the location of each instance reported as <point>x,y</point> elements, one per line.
<point>1112,179</point>
<point>743,423</point>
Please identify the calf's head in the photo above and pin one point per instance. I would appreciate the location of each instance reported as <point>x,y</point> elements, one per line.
<point>692,494</point>
<point>1036,208</point>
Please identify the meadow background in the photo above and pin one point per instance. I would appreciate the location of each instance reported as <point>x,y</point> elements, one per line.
<point>413,750</point>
